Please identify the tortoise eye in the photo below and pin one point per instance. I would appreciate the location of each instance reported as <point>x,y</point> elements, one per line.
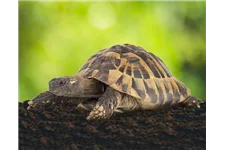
<point>61,82</point>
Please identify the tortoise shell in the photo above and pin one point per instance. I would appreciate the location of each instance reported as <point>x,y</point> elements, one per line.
<point>133,71</point>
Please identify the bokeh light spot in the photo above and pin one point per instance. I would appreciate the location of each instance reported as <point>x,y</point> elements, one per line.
<point>101,15</point>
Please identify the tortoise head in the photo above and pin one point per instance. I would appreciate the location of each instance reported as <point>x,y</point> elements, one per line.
<point>76,86</point>
<point>58,82</point>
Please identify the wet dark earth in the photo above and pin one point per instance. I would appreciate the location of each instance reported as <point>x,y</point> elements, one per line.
<point>59,125</point>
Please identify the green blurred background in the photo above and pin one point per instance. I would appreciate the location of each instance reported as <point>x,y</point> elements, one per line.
<point>56,38</point>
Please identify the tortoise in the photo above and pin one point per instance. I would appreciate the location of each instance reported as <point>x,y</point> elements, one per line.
<point>123,78</point>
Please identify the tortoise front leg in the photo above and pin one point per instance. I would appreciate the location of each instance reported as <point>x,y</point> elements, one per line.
<point>106,104</point>
<point>87,104</point>
<point>85,107</point>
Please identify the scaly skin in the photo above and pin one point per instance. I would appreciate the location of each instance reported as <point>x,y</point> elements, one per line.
<point>112,101</point>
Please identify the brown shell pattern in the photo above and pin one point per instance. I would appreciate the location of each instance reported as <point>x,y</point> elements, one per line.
<point>133,71</point>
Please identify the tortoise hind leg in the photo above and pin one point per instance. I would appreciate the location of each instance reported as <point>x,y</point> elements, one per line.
<point>106,104</point>
<point>192,102</point>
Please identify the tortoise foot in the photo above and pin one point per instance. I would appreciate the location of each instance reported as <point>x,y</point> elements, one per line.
<point>192,102</point>
<point>100,112</point>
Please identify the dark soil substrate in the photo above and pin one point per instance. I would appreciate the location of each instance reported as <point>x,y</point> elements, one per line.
<point>60,126</point>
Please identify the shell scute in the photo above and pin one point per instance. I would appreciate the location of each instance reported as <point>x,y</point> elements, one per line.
<point>133,71</point>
